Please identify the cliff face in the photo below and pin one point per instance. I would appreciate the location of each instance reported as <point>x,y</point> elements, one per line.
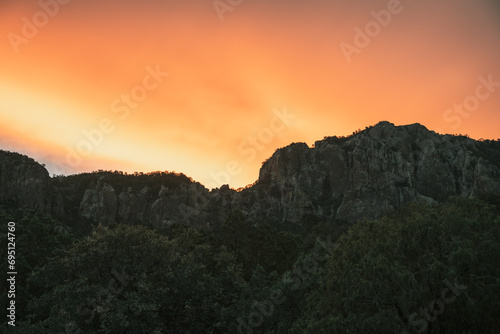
<point>366,175</point>
<point>157,208</point>
<point>376,171</point>
<point>27,184</point>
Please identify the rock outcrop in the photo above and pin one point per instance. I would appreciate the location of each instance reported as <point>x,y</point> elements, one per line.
<point>344,179</point>
<point>27,184</point>
<point>376,171</point>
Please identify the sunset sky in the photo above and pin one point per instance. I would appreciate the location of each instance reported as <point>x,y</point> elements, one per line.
<point>212,89</point>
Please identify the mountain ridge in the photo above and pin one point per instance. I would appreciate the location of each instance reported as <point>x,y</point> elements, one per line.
<point>338,179</point>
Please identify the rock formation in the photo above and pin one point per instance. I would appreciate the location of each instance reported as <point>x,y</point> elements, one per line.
<point>344,179</point>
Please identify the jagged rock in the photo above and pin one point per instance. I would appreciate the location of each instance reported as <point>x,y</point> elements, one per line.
<point>27,184</point>
<point>100,204</point>
<point>373,172</point>
<point>339,179</point>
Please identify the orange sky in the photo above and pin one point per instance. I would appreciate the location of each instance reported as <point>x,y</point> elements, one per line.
<point>214,116</point>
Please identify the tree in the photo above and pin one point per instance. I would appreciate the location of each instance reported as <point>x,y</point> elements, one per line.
<point>258,245</point>
<point>38,239</point>
<point>429,268</point>
<point>132,280</point>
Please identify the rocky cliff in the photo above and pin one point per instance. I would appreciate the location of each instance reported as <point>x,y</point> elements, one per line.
<point>339,179</point>
<point>376,171</point>
<point>26,183</point>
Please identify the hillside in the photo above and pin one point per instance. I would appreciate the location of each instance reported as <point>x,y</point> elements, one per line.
<point>338,180</point>
<point>390,230</point>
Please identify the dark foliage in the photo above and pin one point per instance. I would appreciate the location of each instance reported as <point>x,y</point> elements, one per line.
<point>378,277</point>
<point>120,180</point>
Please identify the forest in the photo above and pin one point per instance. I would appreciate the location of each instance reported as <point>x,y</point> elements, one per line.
<point>428,268</point>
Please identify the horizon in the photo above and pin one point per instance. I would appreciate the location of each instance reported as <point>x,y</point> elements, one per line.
<point>199,88</point>
<point>219,177</point>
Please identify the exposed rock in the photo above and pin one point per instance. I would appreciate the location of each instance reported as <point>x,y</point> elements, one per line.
<point>375,171</point>
<point>27,184</point>
<point>365,175</point>
<point>100,204</point>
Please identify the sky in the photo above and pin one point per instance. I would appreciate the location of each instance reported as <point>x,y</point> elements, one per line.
<point>212,88</point>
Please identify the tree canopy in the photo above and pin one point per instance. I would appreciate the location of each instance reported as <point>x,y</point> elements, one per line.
<point>428,268</point>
